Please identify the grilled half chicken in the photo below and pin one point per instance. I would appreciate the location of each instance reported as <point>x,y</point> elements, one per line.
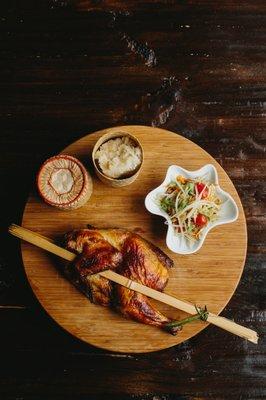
<point>126,253</point>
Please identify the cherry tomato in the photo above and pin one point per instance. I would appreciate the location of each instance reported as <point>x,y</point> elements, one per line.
<point>201,187</point>
<point>201,220</point>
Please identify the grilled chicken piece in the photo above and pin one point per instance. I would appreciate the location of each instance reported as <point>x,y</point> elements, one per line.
<point>129,255</point>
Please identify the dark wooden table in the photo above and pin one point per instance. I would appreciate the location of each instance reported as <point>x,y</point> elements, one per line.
<point>72,67</point>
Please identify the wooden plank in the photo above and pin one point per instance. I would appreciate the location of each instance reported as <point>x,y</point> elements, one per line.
<point>65,73</point>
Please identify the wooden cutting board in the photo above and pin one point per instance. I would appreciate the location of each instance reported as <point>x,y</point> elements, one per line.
<point>209,277</point>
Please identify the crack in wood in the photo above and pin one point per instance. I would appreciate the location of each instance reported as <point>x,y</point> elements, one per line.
<point>168,106</point>
<point>143,50</point>
<point>11,307</point>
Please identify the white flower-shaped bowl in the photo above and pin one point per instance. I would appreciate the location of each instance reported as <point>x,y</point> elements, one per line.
<point>227,213</point>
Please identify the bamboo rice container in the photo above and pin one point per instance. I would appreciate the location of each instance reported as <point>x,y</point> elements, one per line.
<point>116,182</point>
<point>68,197</point>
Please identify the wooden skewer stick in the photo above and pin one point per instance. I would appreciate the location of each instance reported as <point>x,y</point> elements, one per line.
<point>47,244</point>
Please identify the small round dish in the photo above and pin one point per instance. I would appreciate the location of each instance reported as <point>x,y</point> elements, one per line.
<point>116,182</point>
<point>227,213</point>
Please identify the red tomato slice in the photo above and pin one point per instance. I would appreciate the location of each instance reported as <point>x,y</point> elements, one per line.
<point>201,187</point>
<point>201,220</point>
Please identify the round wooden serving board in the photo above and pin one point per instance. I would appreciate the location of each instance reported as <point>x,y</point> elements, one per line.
<point>209,277</point>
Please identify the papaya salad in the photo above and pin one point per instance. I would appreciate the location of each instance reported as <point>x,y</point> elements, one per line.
<point>191,204</point>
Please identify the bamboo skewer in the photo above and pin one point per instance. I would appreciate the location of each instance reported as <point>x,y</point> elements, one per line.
<point>221,322</point>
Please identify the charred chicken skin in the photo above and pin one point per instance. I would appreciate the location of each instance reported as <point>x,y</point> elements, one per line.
<point>126,253</point>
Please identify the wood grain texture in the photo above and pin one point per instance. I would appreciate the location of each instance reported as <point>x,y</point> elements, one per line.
<point>208,277</point>
<point>65,71</point>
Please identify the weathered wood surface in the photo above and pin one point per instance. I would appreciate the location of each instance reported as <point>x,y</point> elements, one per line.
<point>70,67</point>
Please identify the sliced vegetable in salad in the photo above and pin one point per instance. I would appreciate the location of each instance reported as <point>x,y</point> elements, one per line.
<point>191,204</point>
